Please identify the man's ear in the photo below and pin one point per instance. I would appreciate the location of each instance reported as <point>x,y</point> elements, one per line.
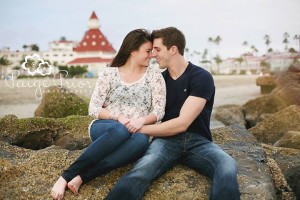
<point>174,50</point>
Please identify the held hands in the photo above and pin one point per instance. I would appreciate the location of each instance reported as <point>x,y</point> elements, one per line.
<point>135,124</point>
<point>122,119</point>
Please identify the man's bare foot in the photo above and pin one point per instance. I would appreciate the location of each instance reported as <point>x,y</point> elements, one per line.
<point>59,189</point>
<point>75,184</point>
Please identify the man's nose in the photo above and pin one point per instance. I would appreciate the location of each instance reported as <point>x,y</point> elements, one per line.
<point>152,54</point>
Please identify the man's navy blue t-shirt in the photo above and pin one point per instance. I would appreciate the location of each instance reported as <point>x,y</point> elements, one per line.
<point>195,81</point>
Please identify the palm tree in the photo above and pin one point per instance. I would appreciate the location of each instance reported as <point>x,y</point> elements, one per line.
<point>25,47</point>
<point>218,61</point>
<point>286,40</point>
<point>254,49</point>
<point>204,55</point>
<point>3,62</point>
<point>239,60</point>
<point>245,44</point>
<point>297,37</point>
<point>270,50</point>
<point>217,40</point>
<point>267,41</point>
<point>210,41</point>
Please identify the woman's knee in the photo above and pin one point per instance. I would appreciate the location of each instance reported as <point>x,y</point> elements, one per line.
<point>141,141</point>
<point>101,127</point>
<point>118,130</point>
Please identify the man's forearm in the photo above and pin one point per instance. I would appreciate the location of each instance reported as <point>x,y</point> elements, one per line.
<point>165,129</point>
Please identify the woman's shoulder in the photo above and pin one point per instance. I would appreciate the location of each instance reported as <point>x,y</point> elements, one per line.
<point>154,72</point>
<point>108,71</point>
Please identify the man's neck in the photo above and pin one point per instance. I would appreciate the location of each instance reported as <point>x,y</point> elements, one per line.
<point>177,67</point>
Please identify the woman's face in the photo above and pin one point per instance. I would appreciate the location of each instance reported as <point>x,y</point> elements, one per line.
<point>143,54</point>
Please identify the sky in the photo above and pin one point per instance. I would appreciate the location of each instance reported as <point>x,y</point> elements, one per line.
<point>235,21</point>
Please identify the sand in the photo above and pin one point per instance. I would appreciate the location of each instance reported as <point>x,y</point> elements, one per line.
<point>22,96</point>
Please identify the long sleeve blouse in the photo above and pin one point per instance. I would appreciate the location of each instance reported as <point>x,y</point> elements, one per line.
<point>138,99</point>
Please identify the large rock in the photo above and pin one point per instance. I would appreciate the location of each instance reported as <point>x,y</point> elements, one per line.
<point>230,115</point>
<point>290,139</point>
<point>272,129</point>
<point>267,104</point>
<point>30,174</point>
<point>37,133</point>
<point>266,83</point>
<point>288,85</point>
<point>59,102</point>
<point>288,161</point>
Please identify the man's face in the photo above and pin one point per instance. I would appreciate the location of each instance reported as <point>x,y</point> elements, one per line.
<point>161,53</point>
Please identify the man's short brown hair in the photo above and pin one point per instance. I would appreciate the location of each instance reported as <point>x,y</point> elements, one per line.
<point>170,36</point>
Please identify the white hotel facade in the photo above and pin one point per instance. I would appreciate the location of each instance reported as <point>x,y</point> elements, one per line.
<point>93,51</point>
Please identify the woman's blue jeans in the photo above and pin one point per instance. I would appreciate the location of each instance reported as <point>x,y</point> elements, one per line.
<point>112,146</point>
<point>189,149</point>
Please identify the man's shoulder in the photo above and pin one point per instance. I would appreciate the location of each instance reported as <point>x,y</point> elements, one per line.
<point>197,71</point>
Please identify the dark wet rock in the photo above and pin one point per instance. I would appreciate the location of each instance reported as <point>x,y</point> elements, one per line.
<point>287,161</point>
<point>254,176</point>
<point>59,102</point>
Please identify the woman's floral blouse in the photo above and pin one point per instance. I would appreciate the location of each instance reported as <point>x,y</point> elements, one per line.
<point>134,100</point>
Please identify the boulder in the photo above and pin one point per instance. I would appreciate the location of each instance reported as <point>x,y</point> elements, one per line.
<point>272,129</point>
<point>290,139</point>
<point>30,174</point>
<point>59,102</point>
<point>37,133</point>
<point>266,104</point>
<point>288,85</point>
<point>230,115</point>
<point>266,83</point>
<point>287,161</point>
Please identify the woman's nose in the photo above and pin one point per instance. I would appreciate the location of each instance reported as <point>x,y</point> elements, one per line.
<point>152,54</point>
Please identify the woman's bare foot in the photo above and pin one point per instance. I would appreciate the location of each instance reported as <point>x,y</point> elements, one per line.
<point>75,184</point>
<point>59,189</point>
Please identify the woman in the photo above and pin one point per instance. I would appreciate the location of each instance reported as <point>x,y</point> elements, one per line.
<point>127,96</point>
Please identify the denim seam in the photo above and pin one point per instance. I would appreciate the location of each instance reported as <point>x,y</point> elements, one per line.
<point>89,129</point>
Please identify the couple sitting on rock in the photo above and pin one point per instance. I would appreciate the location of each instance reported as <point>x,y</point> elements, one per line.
<point>128,101</point>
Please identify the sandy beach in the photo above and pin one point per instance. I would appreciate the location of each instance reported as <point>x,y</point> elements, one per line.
<point>22,96</point>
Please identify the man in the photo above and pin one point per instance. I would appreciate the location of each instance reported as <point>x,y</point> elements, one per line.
<point>183,136</point>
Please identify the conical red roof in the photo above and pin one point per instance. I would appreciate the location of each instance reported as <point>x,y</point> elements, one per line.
<point>94,40</point>
<point>93,16</point>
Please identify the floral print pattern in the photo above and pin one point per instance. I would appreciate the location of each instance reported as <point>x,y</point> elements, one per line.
<point>134,100</point>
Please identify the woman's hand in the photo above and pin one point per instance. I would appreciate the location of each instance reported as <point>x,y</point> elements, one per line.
<point>123,120</point>
<point>135,124</point>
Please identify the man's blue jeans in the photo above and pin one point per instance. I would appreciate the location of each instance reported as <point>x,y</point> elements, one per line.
<point>189,149</point>
<point>112,146</point>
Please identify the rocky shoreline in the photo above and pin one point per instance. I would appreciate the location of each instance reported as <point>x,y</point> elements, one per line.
<point>263,135</point>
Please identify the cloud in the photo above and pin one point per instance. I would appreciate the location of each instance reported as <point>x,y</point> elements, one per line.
<point>35,65</point>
